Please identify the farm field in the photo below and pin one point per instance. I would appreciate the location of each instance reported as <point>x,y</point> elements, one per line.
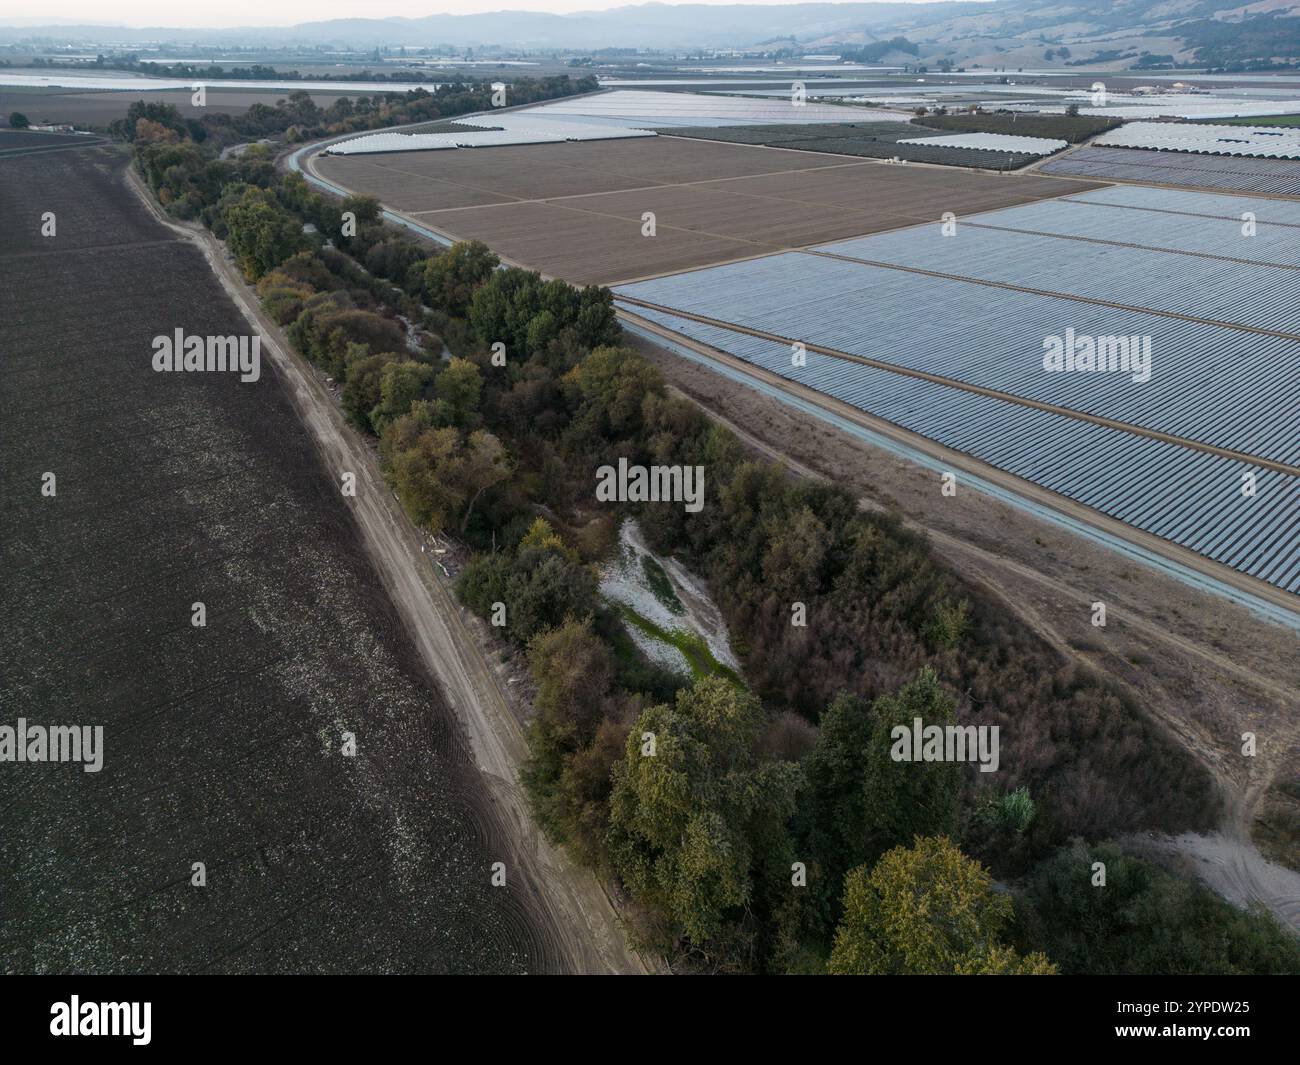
<point>1138,220</point>
<point>24,142</point>
<point>1188,497</point>
<point>663,110</point>
<point>1205,138</point>
<point>1234,291</point>
<point>1221,396</point>
<point>575,210</point>
<point>877,140</point>
<point>1260,177</point>
<point>222,743</point>
<point>1073,128</point>
<point>1265,120</point>
<point>99,108</point>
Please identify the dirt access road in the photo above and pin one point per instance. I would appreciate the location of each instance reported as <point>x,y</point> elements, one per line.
<point>567,898</point>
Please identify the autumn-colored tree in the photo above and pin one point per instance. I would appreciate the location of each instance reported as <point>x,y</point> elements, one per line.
<point>282,297</point>
<point>541,581</point>
<point>926,910</point>
<point>573,670</point>
<point>414,456</point>
<point>438,473</point>
<point>365,208</point>
<point>362,391</point>
<point>149,132</point>
<point>613,384</point>
<point>483,463</point>
<point>401,384</point>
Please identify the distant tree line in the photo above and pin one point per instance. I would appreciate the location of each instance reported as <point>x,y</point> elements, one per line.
<point>877,50</point>
<point>216,72</point>
<point>1071,127</point>
<point>299,118</point>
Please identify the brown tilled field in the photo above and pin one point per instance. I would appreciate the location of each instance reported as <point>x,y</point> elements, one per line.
<point>575,210</point>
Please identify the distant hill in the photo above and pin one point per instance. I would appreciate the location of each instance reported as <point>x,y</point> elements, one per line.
<point>1116,33</point>
<point>652,25</point>
<point>1008,33</point>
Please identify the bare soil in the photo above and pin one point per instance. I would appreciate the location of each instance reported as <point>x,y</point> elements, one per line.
<point>99,108</point>
<point>222,743</point>
<point>575,210</point>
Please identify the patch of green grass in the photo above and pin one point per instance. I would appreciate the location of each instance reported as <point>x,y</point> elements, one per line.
<point>636,672</point>
<point>661,585</point>
<point>692,646</point>
<point>1072,128</point>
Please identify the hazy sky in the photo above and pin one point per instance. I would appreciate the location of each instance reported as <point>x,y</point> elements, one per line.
<point>284,12</point>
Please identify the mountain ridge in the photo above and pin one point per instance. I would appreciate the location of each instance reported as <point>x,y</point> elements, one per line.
<point>1005,33</point>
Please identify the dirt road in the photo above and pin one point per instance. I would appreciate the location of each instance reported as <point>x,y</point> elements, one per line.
<point>567,899</point>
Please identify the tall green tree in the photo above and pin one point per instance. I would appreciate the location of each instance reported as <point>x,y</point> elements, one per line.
<point>261,233</point>
<point>861,802</point>
<point>401,384</point>
<point>456,394</point>
<point>908,798</point>
<point>926,910</point>
<point>452,277</point>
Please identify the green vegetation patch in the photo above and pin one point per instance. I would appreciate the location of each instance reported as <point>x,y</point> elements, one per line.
<point>661,585</point>
<point>1072,128</point>
<point>692,646</point>
<point>1262,120</point>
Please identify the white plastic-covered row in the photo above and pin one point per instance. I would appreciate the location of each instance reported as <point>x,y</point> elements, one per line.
<point>1177,106</point>
<point>1268,142</point>
<point>992,142</point>
<point>518,130</point>
<point>1189,497</point>
<point>1234,173</point>
<point>657,110</point>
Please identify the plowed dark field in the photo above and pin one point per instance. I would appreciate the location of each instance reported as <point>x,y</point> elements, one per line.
<point>221,744</point>
<point>100,107</point>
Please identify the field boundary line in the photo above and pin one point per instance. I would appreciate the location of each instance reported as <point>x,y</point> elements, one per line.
<point>1136,247</point>
<point>1008,286</point>
<point>1008,397</point>
<point>1192,214</point>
